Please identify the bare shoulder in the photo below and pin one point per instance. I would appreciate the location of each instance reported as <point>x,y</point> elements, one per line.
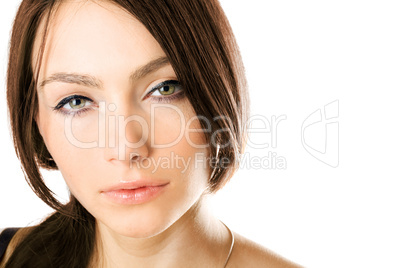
<point>17,238</point>
<point>247,253</point>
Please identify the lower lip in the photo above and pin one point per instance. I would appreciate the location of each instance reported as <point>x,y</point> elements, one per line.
<point>135,196</point>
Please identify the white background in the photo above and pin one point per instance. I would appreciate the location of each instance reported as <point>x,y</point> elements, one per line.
<point>299,56</point>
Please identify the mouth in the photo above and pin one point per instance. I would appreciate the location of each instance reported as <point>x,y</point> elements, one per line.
<point>134,193</point>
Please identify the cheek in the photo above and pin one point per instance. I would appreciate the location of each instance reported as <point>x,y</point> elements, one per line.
<point>66,139</point>
<point>175,124</point>
<point>179,132</point>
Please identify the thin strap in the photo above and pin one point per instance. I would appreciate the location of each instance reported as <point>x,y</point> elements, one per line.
<point>5,238</point>
<point>231,246</point>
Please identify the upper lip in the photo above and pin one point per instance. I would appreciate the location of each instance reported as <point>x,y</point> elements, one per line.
<point>130,185</point>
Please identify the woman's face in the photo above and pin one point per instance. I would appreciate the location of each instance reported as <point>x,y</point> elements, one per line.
<point>99,91</point>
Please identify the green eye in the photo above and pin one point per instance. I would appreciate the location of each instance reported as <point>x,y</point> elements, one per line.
<point>77,103</point>
<point>74,105</point>
<point>167,90</point>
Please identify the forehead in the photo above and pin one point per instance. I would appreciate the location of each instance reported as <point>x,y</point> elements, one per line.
<point>93,37</point>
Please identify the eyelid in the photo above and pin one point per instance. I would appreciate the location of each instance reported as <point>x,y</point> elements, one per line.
<point>69,98</point>
<point>164,83</point>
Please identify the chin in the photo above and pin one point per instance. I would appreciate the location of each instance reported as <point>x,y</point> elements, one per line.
<point>138,224</point>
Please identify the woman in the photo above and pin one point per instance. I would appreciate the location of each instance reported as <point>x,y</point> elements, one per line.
<point>142,106</point>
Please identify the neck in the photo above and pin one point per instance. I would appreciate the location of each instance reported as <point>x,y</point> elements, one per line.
<point>197,237</point>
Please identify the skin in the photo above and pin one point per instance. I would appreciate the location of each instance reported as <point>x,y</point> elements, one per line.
<point>176,229</point>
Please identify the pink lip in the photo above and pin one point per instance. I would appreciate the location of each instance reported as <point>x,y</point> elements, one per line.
<point>134,192</point>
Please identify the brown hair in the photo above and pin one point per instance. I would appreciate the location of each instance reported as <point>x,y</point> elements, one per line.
<point>202,50</point>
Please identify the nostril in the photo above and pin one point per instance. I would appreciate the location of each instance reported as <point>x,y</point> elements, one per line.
<point>134,156</point>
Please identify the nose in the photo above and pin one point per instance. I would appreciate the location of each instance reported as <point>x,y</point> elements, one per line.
<point>126,134</point>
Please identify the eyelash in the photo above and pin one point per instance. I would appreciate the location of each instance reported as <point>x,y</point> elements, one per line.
<point>166,98</point>
<point>78,112</point>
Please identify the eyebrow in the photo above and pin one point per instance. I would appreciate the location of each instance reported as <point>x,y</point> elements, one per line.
<point>72,78</point>
<point>150,67</point>
<point>93,82</point>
